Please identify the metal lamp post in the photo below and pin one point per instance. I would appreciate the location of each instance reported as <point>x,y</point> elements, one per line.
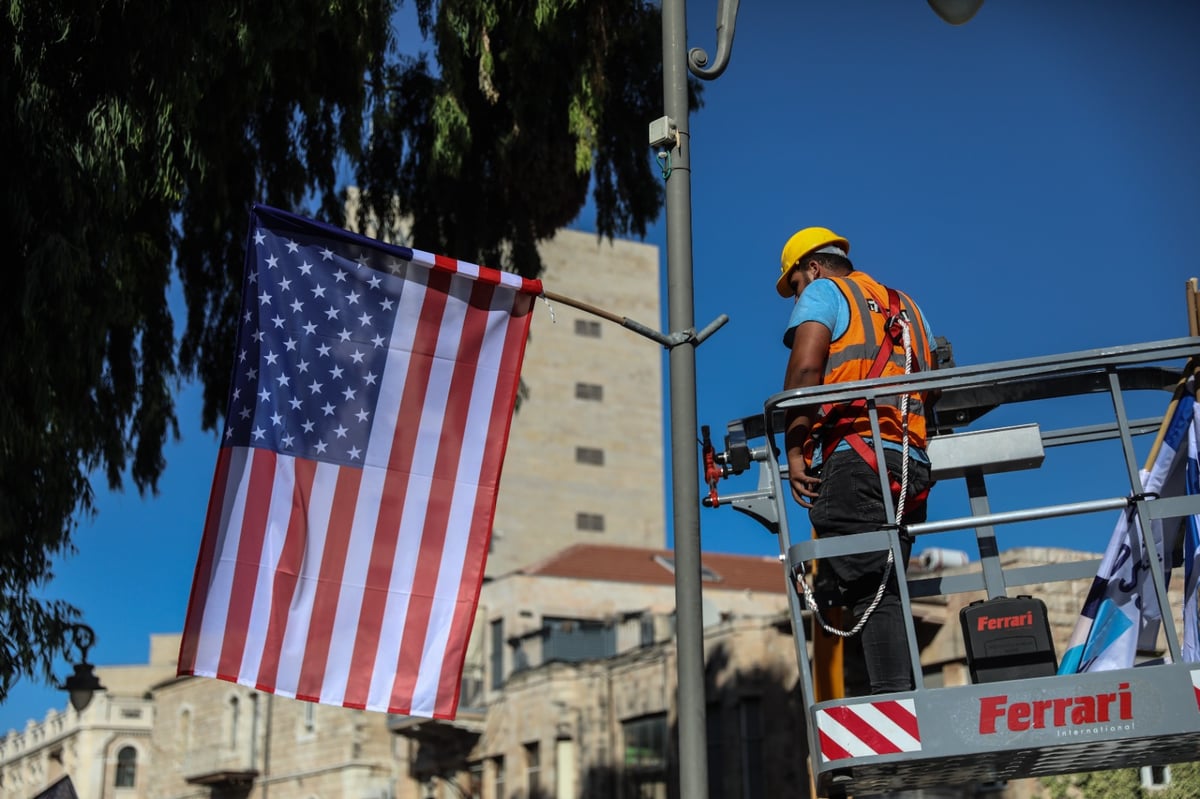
<point>671,135</point>
<point>673,132</point>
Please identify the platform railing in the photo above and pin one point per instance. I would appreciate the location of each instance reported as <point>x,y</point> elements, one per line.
<point>968,393</point>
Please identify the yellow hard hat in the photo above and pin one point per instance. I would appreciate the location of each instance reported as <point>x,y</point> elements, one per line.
<point>801,244</point>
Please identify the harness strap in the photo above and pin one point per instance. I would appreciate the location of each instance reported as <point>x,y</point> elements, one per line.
<point>867,453</point>
<point>841,415</point>
<point>845,414</point>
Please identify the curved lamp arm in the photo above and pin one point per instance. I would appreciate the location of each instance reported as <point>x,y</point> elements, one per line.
<point>698,58</point>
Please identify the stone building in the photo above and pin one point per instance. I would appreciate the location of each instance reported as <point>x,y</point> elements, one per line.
<point>578,666</point>
<point>106,749</point>
<point>585,453</point>
<point>584,462</point>
<point>570,692</point>
<point>217,739</point>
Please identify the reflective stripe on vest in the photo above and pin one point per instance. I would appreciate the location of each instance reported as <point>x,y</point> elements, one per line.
<point>851,356</point>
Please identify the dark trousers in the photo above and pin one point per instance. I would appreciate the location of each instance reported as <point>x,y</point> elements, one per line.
<point>851,501</point>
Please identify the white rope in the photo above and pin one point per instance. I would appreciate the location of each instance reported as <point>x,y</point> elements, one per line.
<point>809,597</point>
<point>546,300</point>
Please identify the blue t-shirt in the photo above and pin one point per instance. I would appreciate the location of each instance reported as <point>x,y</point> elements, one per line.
<point>822,301</point>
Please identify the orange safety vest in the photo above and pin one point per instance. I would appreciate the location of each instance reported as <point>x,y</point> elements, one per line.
<point>862,352</point>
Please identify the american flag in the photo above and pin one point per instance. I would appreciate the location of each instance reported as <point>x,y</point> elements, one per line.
<point>355,487</point>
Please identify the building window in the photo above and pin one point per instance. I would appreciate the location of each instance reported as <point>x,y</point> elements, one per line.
<point>590,522</point>
<point>573,640</point>
<point>234,712</point>
<point>475,779</point>
<point>185,728</point>
<point>533,769</point>
<point>498,776</point>
<point>589,391</point>
<point>126,768</point>
<point>589,455</point>
<point>750,711</point>
<point>646,630</point>
<point>587,327</point>
<point>646,756</point>
<point>497,654</point>
<point>715,747</point>
<point>1155,777</point>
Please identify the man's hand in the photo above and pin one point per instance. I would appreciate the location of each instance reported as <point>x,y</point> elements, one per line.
<point>805,487</point>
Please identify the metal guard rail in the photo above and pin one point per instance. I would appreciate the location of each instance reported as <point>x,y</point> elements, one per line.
<point>988,732</point>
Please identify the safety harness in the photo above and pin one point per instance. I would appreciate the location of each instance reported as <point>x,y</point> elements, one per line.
<point>896,332</point>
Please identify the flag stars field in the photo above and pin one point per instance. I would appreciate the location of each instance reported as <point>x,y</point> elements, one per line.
<point>303,337</point>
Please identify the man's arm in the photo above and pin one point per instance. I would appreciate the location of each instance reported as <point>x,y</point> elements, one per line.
<point>806,367</point>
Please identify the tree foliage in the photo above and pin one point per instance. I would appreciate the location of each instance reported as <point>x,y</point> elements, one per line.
<point>139,135</point>
<point>530,102</point>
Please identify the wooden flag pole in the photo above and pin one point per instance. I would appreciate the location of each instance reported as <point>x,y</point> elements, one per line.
<point>1192,290</point>
<point>588,308</point>
<point>637,327</point>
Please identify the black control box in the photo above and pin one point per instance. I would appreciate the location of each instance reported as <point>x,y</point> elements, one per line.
<point>1008,638</point>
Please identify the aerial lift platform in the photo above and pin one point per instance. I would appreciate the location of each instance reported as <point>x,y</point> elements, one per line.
<point>1003,729</point>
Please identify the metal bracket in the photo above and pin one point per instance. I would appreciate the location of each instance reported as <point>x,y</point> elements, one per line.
<point>759,505</point>
<point>673,340</point>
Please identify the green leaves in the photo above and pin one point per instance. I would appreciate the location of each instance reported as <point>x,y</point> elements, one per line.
<point>136,144</point>
<point>530,105</point>
<point>453,135</point>
<point>138,139</point>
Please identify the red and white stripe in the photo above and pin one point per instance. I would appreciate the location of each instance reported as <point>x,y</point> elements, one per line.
<point>1196,687</point>
<point>358,586</point>
<point>868,728</point>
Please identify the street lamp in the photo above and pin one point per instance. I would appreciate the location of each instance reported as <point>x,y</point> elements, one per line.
<point>672,133</point>
<point>956,12</point>
<point>84,682</point>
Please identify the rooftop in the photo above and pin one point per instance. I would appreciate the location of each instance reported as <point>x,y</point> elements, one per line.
<point>656,567</point>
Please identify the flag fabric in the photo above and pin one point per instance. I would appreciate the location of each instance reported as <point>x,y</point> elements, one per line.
<point>1121,613</point>
<point>355,487</point>
<point>1191,549</point>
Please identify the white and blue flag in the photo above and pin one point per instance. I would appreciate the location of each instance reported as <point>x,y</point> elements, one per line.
<point>1121,613</point>
<point>1191,550</point>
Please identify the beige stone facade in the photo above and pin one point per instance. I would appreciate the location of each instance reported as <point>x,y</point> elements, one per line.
<point>609,728</point>
<point>215,738</point>
<point>584,462</point>
<point>578,663</point>
<point>585,454</point>
<point>106,749</point>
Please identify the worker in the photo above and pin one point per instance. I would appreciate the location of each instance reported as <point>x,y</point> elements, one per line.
<point>846,326</point>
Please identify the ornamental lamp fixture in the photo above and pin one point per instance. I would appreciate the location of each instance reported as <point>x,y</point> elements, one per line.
<point>83,683</point>
<point>956,12</point>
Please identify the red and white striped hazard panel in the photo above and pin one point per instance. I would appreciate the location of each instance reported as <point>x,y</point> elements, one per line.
<point>868,728</point>
<point>1196,686</point>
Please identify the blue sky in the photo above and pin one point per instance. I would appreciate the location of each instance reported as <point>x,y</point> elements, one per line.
<point>1032,178</point>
